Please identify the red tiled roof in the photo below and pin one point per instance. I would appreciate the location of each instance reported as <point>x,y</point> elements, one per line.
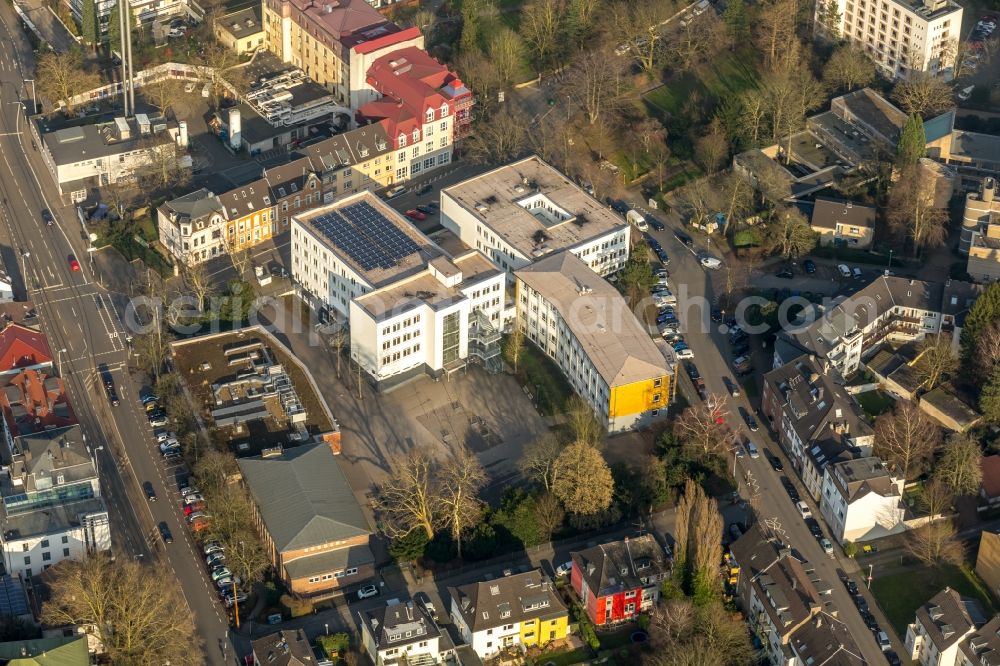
<point>412,82</point>
<point>990,466</point>
<point>33,401</point>
<point>21,346</point>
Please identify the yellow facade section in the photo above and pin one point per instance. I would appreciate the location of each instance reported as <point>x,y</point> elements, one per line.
<point>638,397</point>
<point>249,230</point>
<point>542,632</point>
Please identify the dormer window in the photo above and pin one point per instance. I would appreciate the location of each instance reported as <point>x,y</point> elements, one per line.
<point>362,150</point>
<point>416,135</point>
<point>401,140</point>
<point>444,110</point>
<point>430,115</point>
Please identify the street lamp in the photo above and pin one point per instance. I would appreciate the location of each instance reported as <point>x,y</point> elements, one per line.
<point>59,360</point>
<point>24,266</point>
<point>889,266</point>
<point>93,457</point>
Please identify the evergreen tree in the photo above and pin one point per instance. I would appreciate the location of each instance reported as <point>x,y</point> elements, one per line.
<point>115,28</point>
<point>737,21</point>
<point>470,27</point>
<point>829,18</point>
<point>984,312</point>
<point>989,397</point>
<point>88,22</point>
<point>912,142</point>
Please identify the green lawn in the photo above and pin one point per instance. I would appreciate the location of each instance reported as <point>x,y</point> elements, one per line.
<point>577,656</point>
<point>729,74</point>
<point>544,380</point>
<point>874,402</point>
<point>901,594</point>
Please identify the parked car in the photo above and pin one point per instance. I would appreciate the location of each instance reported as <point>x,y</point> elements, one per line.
<point>620,207</point>
<point>844,270</point>
<point>790,488</point>
<point>732,387</point>
<point>692,371</point>
<point>892,658</point>
<point>215,559</point>
<point>711,263</point>
<point>752,450</point>
<point>827,547</point>
<point>194,508</point>
<point>424,189</point>
<point>223,583</point>
<point>415,214</point>
<point>735,532</point>
<point>367,591</point>
<point>147,487</point>
<point>740,349</point>
<point>684,238</point>
<point>775,462</point>
<point>683,352</point>
<point>750,420</point>
<point>803,509</point>
<point>861,603</point>
<point>655,223</point>
<point>212,547</point>
<point>564,569</point>
<point>47,217</point>
<point>426,210</point>
<point>814,528</point>
<point>158,419</point>
<point>785,273</point>
<point>394,192</point>
<point>883,641</point>
<point>869,621</point>
<point>809,266</point>
<point>197,515</point>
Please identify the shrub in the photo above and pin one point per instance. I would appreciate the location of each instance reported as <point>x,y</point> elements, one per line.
<point>334,645</point>
<point>410,547</point>
<point>850,549</point>
<point>296,606</point>
<point>644,621</point>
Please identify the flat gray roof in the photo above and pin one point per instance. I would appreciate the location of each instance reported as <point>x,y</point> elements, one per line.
<point>76,143</point>
<point>494,198</point>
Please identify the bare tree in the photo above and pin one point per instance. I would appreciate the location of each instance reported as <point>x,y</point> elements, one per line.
<point>672,623</point>
<point>514,345</point>
<point>163,94</point>
<point>935,544</point>
<point>239,255</point>
<point>481,74</point>
<point>955,54</point>
<point>582,423</point>
<point>62,76</point>
<point>906,438</point>
<point>224,68</point>
<point>196,279</point>
<point>789,234</point>
<point>923,94</point>
<point>638,25</point>
<point>214,471</point>
<point>752,112</point>
<point>505,51</point>
<point>462,479</point>
<point>498,139</point>
<point>541,23</point>
<point>712,148</point>
<point>549,515</point>
<point>582,479</point>
<point>912,213</point>
<point>539,458</point>
<point>961,464</point>
<point>702,430</point>
<point>245,556</point>
<point>595,84</point>
<point>936,360</point>
<point>139,615</point>
<point>935,498</point>
<point>410,499</point>
<point>693,42</point>
<point>776,30</point>
<point>849,68</point>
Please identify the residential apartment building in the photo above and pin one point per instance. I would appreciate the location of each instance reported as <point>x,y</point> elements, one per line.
<point>817,421</point>
<point>145,12</point>
<point>784,607</point>
<point>241,31</point>
<point>581,322</point>
<point>82,157</point>
<point>249,216</point>
<point>295,187</point>
<point>192,226</point>
<point>403,633</point>
<point>509,613</point>
<point>890,309</point>
<point>941,625</point>
<point>862,500</point>
<point>843,223</point>
<point>312,526</point>
<point>412,308</point>
<point>52,505</point>
<point>617,581</point>
<point>521,212</point>
<point>900,36</point>
<point>288,647</point>
<point>425,109</point>
<point>981,232</point>
<point>982,647</point>
<point>335,43</point>
<point>357,160</point>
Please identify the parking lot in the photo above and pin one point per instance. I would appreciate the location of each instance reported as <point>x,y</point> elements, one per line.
<point>980,69</point>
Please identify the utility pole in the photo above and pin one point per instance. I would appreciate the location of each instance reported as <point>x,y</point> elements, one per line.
<point>123,22</point>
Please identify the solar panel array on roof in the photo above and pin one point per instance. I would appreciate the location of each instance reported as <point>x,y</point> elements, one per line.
<point>367,236</point>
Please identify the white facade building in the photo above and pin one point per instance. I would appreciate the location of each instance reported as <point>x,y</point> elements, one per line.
<point>410,306</point>
<point>523,211</point>
<point>861,500</point>
<point>403,633</point>
<point>191,227</point>
<point>940,627</point>
<point>901,36</point>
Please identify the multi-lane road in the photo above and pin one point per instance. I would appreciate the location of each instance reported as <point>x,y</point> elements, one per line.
<point>758,481</point>
<point>84,326</point>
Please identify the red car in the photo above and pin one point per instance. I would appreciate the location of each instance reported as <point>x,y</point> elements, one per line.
<point>415,214</point>
<point>74,265</point>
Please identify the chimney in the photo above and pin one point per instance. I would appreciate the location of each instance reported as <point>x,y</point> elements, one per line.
<point>182,134</point>
<point>989,189</point>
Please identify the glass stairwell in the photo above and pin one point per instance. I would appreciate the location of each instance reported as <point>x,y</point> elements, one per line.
<point>484,342</point>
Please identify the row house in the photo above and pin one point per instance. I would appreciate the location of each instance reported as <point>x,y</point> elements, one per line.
<point>362,159</point>
<point>941,626</point>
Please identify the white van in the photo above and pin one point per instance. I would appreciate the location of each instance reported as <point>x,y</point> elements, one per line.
<point>636,218</point>
<point>966,93</point>
<point>711,263</point>
<point>844,270</point>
